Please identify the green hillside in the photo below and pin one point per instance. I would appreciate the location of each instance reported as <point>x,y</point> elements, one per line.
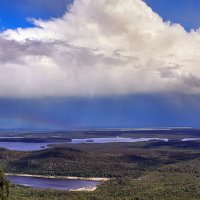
<point>4,186</point>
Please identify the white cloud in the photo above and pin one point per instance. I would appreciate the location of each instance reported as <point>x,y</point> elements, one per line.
<point>101,47</point>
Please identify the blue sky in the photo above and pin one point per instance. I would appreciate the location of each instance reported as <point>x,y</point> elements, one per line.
<point>15,12</point>
<point>139,110</point>
<point>184,12</point>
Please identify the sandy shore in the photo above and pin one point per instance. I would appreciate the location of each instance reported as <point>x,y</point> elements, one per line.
<point>85,189</point>
<point>61,177</point>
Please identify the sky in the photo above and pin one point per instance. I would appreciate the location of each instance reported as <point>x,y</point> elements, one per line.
<point>99,64</point>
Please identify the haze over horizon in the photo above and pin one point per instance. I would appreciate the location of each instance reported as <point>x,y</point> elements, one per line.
<point>99,63</point>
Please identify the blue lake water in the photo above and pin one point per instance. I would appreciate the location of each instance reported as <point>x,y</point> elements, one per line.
<point>190,139</point>
<point>23,146</point>
<point>113,140</point>
<point>46,183</point>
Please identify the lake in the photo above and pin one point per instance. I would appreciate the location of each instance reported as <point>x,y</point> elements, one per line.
<point>23,146</point>
<point>35,146</point>
<point>49,183</point>
<point>113,140</point>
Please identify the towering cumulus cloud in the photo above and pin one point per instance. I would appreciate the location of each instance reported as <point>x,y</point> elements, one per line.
<point>100,48</point>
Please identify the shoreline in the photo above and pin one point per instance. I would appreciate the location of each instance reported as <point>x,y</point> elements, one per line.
<point>61,177</point>
<point>84,189</point>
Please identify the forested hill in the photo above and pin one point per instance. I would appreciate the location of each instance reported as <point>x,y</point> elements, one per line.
<point>4,187</point>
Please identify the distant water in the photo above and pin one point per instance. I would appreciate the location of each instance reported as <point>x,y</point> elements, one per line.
<point>113,140</point>
<point>57,184</point>
<point>190,139</point>
<point>23,146</point>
